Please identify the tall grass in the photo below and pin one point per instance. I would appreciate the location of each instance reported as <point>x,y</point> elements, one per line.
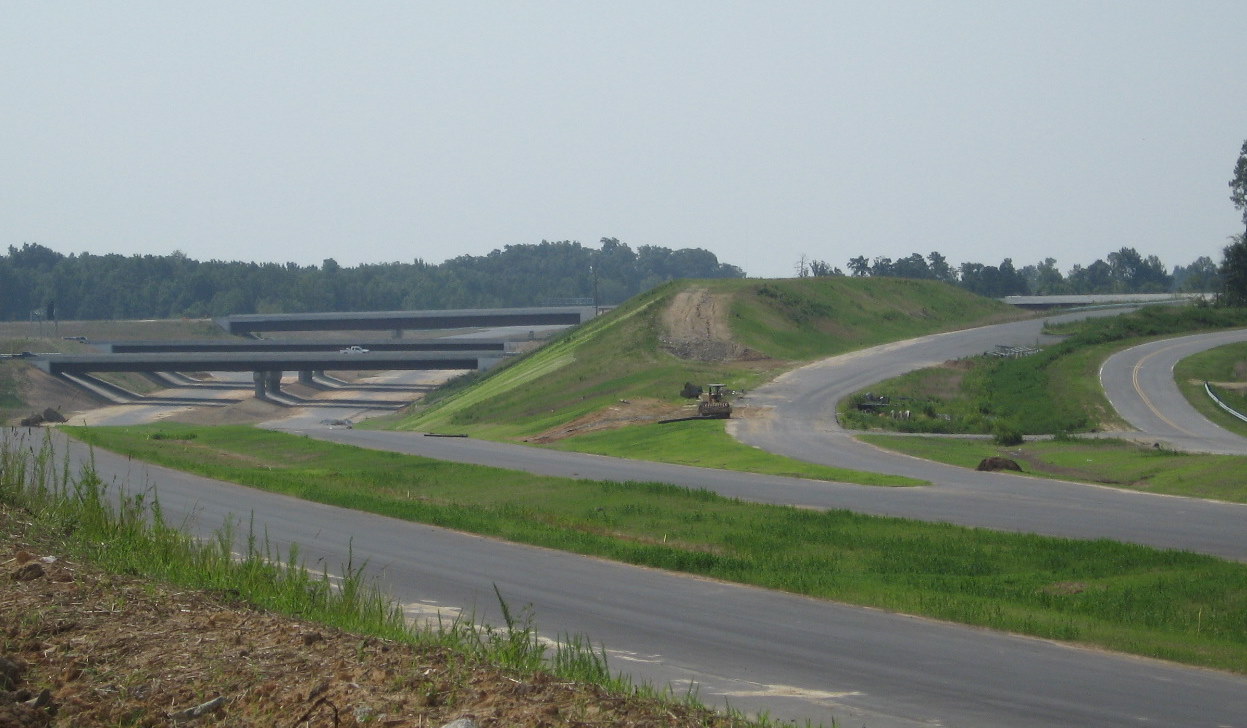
<point>129,534</point>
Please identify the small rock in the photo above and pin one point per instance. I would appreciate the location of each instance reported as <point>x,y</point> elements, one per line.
<point>461,723</point>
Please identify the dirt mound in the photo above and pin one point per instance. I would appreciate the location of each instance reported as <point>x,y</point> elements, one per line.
<point>49,415</point>
<point>993,464</point>
<point>696,328</point>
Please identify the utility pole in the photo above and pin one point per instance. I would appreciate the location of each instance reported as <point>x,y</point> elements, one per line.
<point>594,270</point>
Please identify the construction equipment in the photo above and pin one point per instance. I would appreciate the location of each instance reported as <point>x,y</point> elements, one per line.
<point>714,404</point>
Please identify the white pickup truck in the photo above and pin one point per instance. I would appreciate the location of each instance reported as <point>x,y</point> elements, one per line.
<point>353,350</point>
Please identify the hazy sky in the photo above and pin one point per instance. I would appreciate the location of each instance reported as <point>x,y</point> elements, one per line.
<point>389,131</point>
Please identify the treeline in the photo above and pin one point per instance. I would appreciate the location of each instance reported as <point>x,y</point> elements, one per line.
<point>1125,271</point>
<point>34,279</point>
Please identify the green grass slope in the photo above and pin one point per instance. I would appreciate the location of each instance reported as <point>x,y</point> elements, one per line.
<point>620,355</point>
<point>1225,367</point>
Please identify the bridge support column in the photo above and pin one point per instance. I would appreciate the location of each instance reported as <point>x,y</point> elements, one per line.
<point>259,384</point>
<point>273,381</point>
<point>305,377</point>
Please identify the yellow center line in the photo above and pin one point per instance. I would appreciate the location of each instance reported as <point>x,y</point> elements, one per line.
<point>1134,379</point>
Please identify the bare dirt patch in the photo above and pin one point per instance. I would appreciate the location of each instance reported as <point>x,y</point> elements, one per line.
<point>91,648</point>
<point>247,412</point>
<point>696,327</point>
<point>623,414</point>
<point>40,391</point>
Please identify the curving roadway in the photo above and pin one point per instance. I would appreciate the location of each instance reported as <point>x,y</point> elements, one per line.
<point>1140,385</point>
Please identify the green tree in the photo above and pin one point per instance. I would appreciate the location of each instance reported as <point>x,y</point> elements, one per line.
<point>1234,273</point>
<point>1198,277</point>
<point>1234,263</point>
<point>1238,183</point>
<point>940,268</point>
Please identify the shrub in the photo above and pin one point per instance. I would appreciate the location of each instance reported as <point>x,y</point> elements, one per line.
<point>1005,434</point>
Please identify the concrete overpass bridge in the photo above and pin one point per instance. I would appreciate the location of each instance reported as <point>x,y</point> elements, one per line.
<point>252,346</point>
<point>399,321</point>
<point>266,366</point>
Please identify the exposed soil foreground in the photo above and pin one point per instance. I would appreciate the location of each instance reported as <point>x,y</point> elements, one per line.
<point>85,648</point>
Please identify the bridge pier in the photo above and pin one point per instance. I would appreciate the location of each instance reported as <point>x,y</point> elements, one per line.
<point>305,377</point>
<point>265,382</point>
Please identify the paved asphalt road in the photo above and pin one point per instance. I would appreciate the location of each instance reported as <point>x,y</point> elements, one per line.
<point>1139,383</point>
<point>798,658</point>
<point>754,649</point>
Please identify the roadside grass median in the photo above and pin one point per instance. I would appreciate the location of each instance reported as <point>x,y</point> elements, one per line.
<point>1104,461</point>
<point>1223,367</point>
<point>1168,604</point>
<point>703,443</point>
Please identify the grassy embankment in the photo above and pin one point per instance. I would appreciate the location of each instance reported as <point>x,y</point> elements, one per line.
<point>618,361</point>
<point>1173,605</point>
<point>1224,365</point>
<point>128,535</point>
<point>1055,392</point>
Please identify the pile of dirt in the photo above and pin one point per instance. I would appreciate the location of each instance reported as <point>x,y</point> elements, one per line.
<point>91,648</point>
<point>48,416</point>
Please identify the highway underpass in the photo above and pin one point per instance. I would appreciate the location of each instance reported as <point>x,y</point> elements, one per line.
<point>266,366</point>
<point>399,321</point>
<point>253,346</point>
<point>268,359</point>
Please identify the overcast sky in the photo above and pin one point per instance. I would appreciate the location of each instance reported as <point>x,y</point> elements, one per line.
<point>762,131</point>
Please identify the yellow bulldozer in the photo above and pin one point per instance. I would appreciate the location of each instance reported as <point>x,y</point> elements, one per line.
<point>713,404</point>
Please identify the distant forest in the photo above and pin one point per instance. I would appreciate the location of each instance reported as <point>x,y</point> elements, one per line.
<point>1125,271</point>
<point>89,287</point>
<point>37,282</point>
